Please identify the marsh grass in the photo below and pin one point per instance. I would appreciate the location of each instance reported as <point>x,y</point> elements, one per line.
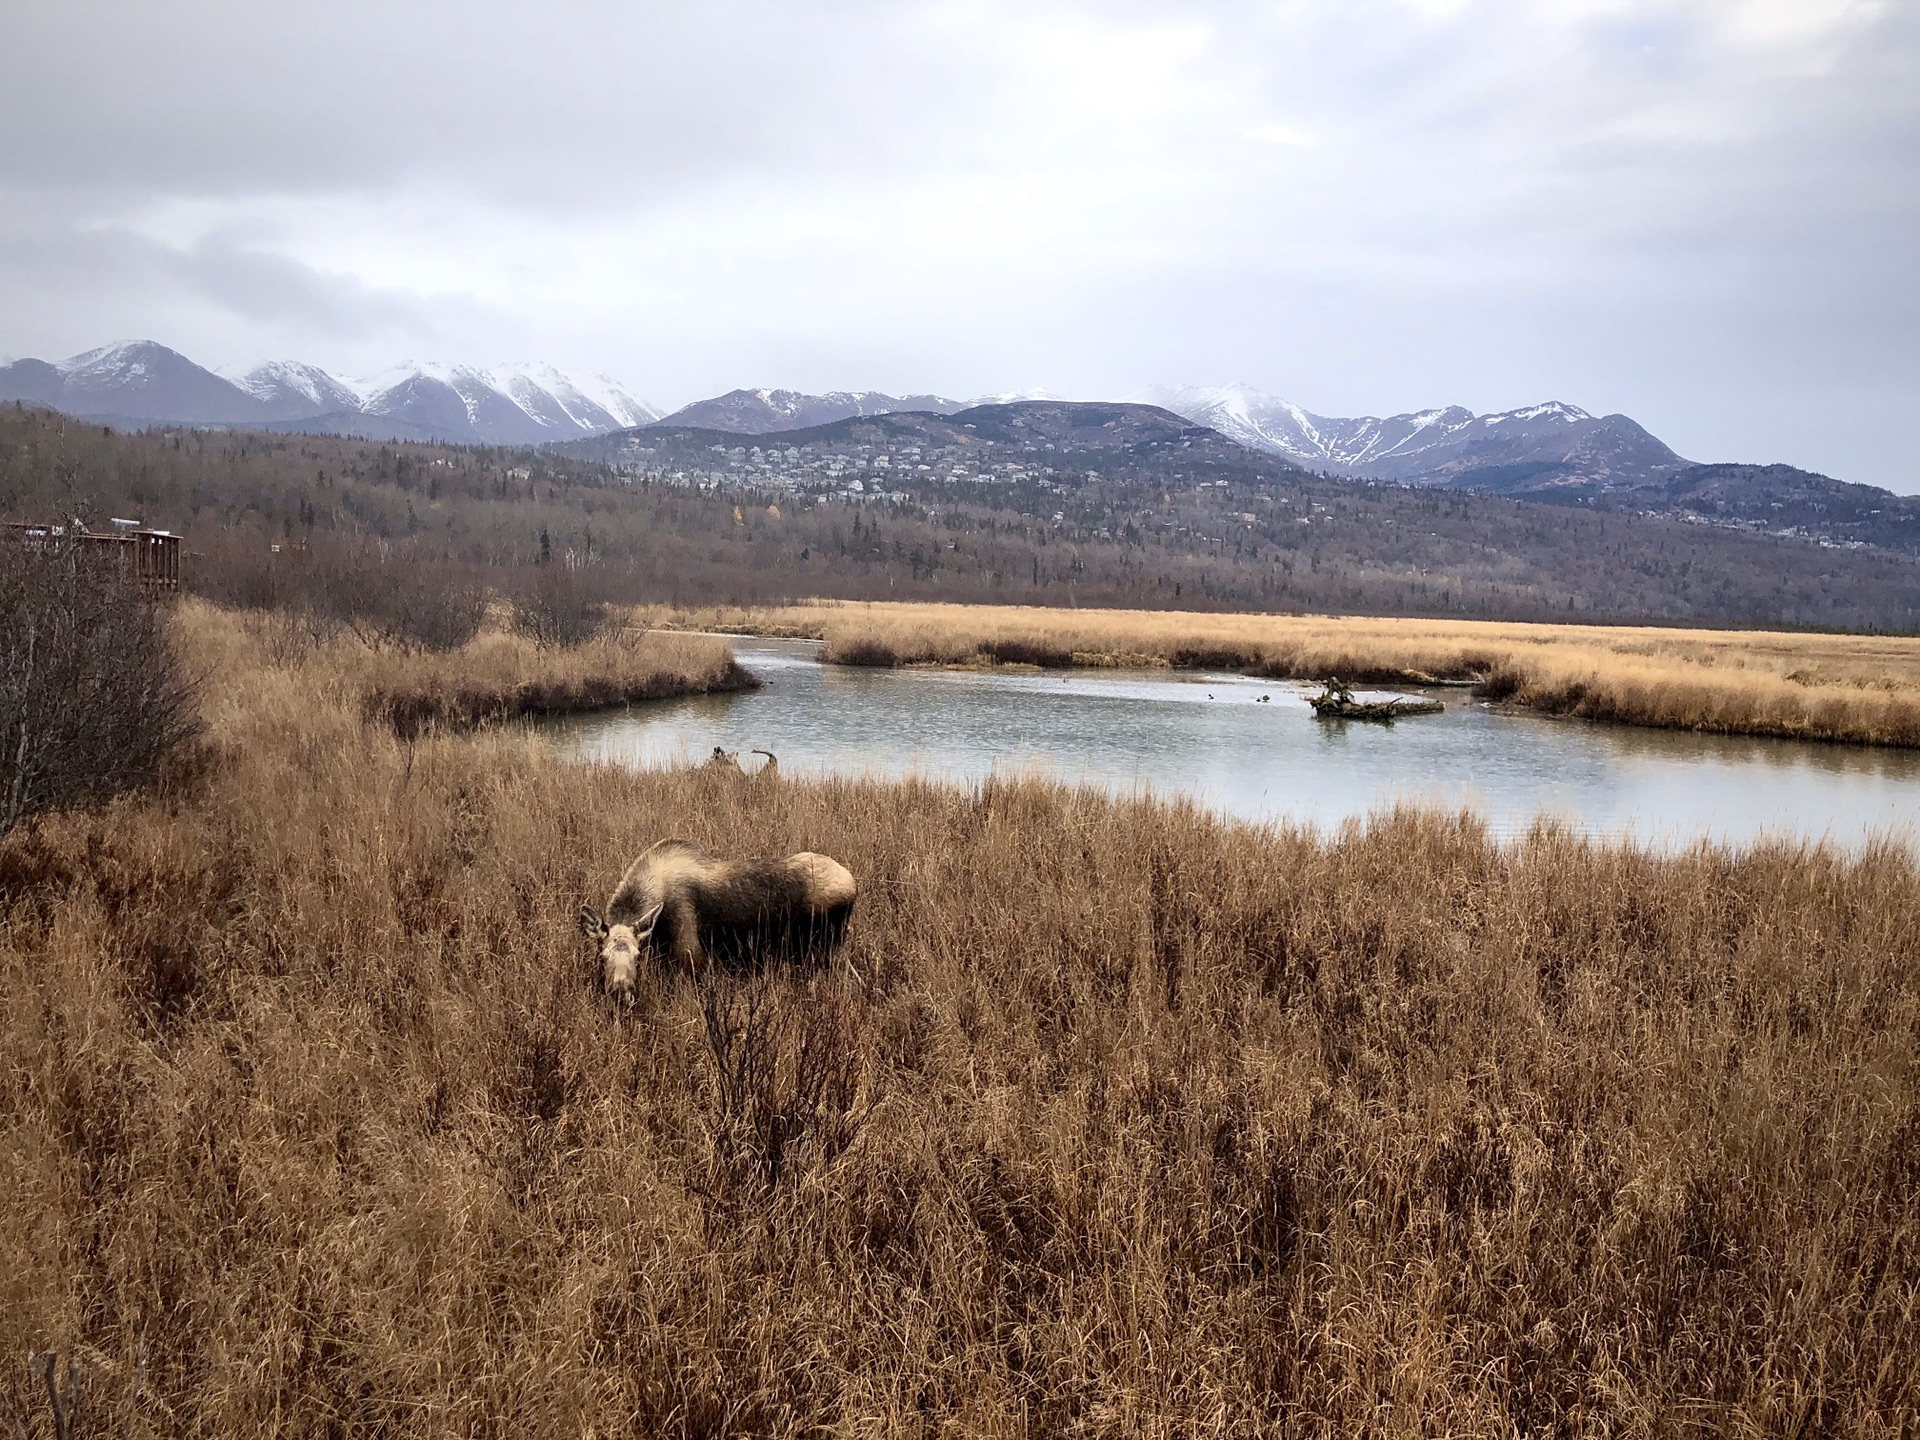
<point>503,677</point>
<point>1137,1122</point>
<point>1856,689</point>
<point>501,674</point>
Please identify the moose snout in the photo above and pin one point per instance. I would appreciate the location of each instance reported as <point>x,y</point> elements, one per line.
<point>618,974</point>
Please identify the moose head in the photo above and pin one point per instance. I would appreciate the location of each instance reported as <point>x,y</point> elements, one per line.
<point>621,946</point>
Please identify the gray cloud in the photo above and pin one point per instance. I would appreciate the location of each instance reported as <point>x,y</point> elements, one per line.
<point>1697,211</point>
<point>581,104</point>
<point>89,280</point>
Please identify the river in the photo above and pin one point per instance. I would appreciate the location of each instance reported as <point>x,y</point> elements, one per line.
<point>1253,749</point>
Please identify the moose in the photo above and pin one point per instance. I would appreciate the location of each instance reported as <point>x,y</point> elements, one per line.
<point>679,904</point>
<point>727,762</point>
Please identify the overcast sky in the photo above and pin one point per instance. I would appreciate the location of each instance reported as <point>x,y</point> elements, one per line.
<point>1700,212</point>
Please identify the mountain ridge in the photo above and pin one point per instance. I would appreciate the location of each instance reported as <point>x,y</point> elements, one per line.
<point>1442,446</point>
<point>1552,453</point>
<point>141,382</point>
<point>1777,500</point>
<point>1092,427</point>
<point>763,411</point>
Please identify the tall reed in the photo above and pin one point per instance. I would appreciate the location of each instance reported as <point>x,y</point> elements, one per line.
<point>1134,1121</point>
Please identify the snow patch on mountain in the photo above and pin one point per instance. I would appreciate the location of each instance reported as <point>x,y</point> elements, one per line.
<point>291,390</point>
<point>589,399</point>
<point>760,412</point>
<point>1015,397</point>
<point>1534,446</point>
<point>551,404</point>
<point>521,404</point>
<point>124,359</point>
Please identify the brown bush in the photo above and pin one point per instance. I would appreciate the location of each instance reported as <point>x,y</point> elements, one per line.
<point>242,570</point>
<point>555,609</point>
<point>1141,1122</point>
<point>94,700</point>
<point>390,594</point>
<point>873,654</point>
<point>404,601</point>
<point>1023,651</point>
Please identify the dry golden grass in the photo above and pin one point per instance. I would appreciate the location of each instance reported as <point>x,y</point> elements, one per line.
<point>1137,1122</point>
<point>499,675</point>
<point>1858,689</point>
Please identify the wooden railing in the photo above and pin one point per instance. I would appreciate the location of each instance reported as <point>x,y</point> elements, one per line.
<point>150,556</point>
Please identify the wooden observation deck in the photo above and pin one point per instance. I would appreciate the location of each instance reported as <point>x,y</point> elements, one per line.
<point>151,557</point>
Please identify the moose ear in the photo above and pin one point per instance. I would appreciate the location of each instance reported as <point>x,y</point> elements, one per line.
<point>591,925</point>
<point>643,927</point>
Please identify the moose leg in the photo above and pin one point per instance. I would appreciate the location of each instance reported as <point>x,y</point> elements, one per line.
<point>683,933</point>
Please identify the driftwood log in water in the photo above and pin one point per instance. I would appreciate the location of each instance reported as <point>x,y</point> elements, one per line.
<point>1336,702</point>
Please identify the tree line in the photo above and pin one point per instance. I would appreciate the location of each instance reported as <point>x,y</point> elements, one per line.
<point>256,506</point>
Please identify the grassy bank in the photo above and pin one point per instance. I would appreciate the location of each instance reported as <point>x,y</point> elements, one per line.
<point>504,677</point>
<point>1137,1123</point>
<point>1850,688</point>
<point>497,676</point>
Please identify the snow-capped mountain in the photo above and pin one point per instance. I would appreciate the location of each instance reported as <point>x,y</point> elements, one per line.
<point>526,404</point>
<point>761,412</point>
<point>591,400</point>
<point>291,391</point>
<point>1529,449</point>
<point>143,382</point>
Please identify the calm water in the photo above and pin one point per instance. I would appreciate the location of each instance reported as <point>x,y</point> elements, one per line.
<point>1210,736</point>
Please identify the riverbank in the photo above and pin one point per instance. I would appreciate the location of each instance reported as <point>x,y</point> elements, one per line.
<point>1851,689</point>
<point>496,677</point>
<point>1137,1120</point>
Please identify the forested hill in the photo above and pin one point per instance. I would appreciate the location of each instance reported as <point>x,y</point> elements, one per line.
<point>1153,518</point>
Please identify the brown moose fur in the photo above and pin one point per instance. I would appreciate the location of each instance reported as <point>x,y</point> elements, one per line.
<point>679,903</point>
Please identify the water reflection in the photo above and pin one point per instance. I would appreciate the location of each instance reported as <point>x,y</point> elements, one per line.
<point>1252,748</point>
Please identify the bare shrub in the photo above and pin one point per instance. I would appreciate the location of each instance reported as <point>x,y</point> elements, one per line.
<point>94,701</point>
<point>241,570</point>
<point>401,601</point>
<point>291,637</point>
<point>392,596</point>
<point>72,1395</point>
<point>789,1079</point>
<point>556,609</point>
